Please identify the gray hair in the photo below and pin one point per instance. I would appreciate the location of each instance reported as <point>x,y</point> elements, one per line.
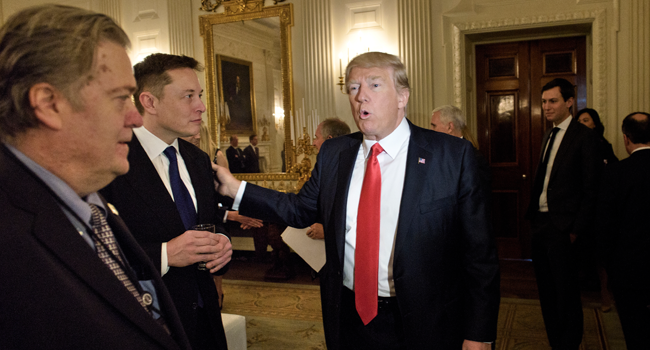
<point>451,114</point>
<point>51,44</point>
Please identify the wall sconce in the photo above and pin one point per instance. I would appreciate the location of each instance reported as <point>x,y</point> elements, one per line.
<point>341,82</point>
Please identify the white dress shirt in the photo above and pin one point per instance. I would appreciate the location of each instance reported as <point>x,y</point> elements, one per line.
<point>392,163</point>
<point>543,199</point>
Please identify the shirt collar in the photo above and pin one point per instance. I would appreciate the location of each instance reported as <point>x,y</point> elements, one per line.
<point>71,200</point>
<point>153,145</point>
<point>391,143</point>
<point>641,148</point>
<point>565,124</point>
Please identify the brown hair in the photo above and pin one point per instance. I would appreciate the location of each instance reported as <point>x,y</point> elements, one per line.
<point>334,127</point>
<point>51,44</point>
<point>151,74</point>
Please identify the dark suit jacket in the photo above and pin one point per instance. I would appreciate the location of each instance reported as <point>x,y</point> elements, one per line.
<point>251,160</point>
<point>235,160</point>
<point>445,265</point>
<point>623,230</point>
<point>574,180</point>
<point>55,292</point>
<point>151,214</point>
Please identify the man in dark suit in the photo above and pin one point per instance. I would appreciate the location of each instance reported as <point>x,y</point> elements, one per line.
<point>561,209</point>
<point>450,120</point>
<point>410,259</point>
<point>72,275</point>
<point>235,156</point>
<point>252,156</point>
<point>169,190</point>
<point>623,231</point>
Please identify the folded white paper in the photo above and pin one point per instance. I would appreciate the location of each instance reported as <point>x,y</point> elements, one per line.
<point>311,250</point>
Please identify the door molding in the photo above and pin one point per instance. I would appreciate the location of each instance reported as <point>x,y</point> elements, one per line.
<point>597,65</point>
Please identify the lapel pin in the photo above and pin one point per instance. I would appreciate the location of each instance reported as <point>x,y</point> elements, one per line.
<point>113,209</point>
<point>421,160</point>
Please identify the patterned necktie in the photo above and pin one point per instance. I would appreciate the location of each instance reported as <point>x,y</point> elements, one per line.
<point>366,256</point>
<point>103,239</point>
<point>182,197</point>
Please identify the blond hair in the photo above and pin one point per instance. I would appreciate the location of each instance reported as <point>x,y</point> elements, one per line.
<point>380,59</point>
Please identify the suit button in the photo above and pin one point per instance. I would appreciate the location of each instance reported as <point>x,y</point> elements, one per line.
<point>194,306</point>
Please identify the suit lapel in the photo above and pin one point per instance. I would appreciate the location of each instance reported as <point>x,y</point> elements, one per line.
<point>53,229</point>
<point>415,176</point>
<point>149,186</point>
<point>347,158</point>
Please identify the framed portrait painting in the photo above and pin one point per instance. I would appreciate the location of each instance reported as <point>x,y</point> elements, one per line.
<point>235,85</point>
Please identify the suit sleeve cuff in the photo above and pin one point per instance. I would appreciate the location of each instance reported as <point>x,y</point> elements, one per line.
<point>164,268</point>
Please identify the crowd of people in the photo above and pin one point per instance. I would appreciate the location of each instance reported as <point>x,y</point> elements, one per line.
<point>112,221</point>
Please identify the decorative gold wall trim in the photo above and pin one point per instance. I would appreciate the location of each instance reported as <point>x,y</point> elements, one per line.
<point>235,6</point>
<point>285,14</point>
<point>598,19</point>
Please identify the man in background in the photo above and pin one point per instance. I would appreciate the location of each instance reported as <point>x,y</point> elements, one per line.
<point>73,277</point>
<point>561,209</point>
<point>624,233</point>
<point>235,156</point>
<point>252,156</point>
<point>450,120</point>
<point>327,129</point>
<point>169,190</point>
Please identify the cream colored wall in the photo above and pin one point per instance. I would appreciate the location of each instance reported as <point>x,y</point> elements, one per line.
<point>434,39</point>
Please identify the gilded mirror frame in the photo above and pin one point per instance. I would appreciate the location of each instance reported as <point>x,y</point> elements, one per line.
<point>207,23</point>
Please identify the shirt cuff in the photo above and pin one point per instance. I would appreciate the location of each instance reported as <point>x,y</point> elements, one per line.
<point>164,268</point>
<point>225,217</point>
<point>240,194</point>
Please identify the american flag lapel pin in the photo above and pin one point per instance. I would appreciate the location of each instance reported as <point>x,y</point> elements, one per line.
<point>420,160</point>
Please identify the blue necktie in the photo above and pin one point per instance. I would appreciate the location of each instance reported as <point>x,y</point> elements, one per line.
<point>182,197</point>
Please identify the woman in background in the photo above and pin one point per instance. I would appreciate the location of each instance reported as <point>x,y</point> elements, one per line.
<point>591,119</point>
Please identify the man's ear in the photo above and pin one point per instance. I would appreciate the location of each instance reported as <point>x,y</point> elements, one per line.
<point>403,98</point>
<point>329,137</point>
<point>46,102</point>
<point>570,102</point>
<point>149,102</point>
<point>451,127</point>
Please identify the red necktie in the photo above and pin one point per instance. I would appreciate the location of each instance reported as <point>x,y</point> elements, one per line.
<point>366,255</point>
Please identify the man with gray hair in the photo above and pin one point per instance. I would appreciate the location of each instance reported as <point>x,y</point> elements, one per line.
<point>450,120</point>
<point>73,276</point>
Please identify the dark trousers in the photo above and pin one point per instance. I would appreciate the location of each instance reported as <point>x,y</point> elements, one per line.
<point>384,332</point>
<point>203,338</point>
<point>557,282</point>
<point>633,307</point>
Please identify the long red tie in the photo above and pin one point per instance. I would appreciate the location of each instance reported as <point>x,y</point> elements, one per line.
<point>366,256</point>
